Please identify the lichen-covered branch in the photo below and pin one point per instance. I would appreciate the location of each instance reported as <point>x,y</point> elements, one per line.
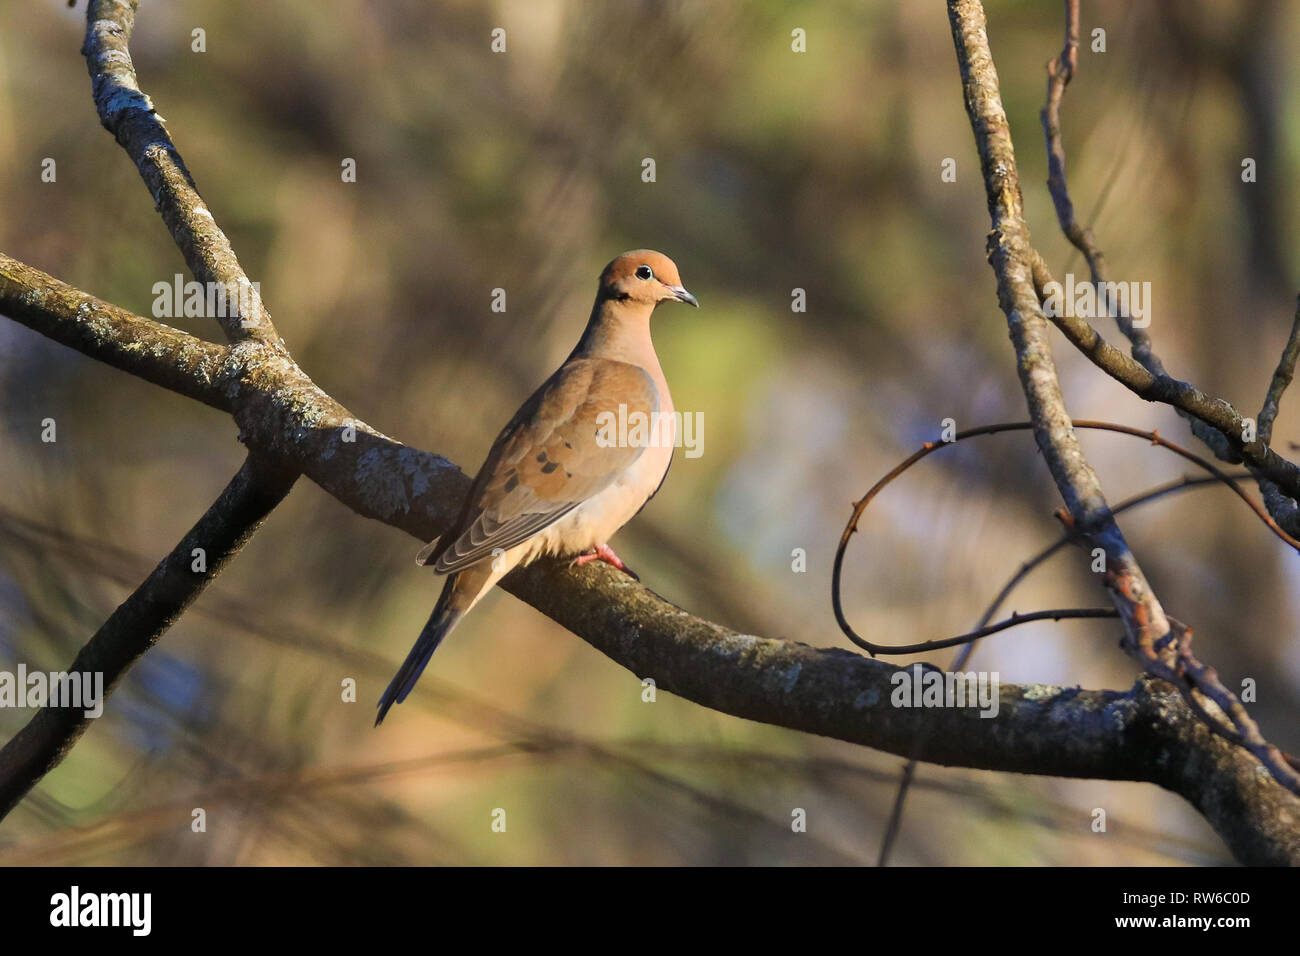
<point>1012,258</point>
<point>1149,733</point>
<point>128,113</point>
<point>145,348</point>
<point>285,417</point>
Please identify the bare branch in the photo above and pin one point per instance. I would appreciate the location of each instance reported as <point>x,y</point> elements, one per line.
<point>141,620</point>
<point>894,826</point>
<point>150,350</point>
<point>1060,70</point>
<point>1237,726</point>
<point>987,630</point>
<point>931,447</point>
<point>1281,379</point>
<point>840,694</point>
<point>1182,396</point>
<point>129,115</point>
<point>1012,257</point>
<point>1160,644</point>
<point>1280,505</point>
<point>288,421</point>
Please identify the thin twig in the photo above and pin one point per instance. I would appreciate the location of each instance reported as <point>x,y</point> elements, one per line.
<point>1280,505</point>
<point>930,448</point>
<point>894,826</point>
<point>1223,434</point>
<point>1281,379</point>
<point>1015,620</point>
<point>1180,667</point>
<point>1060,71</point>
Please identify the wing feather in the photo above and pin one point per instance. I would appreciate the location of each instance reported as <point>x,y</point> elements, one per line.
<point>555,453</point>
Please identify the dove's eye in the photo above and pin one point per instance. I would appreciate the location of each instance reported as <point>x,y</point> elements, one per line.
<point>644,272</point>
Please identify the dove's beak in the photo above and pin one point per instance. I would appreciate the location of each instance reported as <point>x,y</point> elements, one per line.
<point>680,293</point>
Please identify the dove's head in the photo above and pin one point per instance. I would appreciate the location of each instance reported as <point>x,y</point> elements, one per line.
<point>645,277</point>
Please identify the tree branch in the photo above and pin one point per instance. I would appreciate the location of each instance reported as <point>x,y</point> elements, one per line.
<point>145,348</point>
<point>1281,380</point>
<point>129,115</point>
<point>1146,734</point>
<point>141,620</point>
<point>1283,507</point>
<point>831,692</point>
<point>1182,396</point>
<point>1162,646</point>
<point>1060,70</point>
<point>1149,732</point>
<point>1011,256</point>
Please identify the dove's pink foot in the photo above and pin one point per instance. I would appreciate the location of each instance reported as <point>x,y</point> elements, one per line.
<point>603,552</point>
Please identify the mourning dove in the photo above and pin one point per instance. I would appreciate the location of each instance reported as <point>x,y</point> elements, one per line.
<point>578,460</point>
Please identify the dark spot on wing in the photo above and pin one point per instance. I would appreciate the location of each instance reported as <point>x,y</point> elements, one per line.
<point>512,483</point>
<point>549,467</point>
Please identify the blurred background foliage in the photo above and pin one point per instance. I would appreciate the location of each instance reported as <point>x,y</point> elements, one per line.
<point>521,170</point>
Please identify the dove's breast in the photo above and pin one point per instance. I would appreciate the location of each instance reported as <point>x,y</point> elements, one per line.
<point>597,519</point>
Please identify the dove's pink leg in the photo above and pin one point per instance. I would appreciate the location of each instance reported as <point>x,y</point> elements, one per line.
<point>603,552</point>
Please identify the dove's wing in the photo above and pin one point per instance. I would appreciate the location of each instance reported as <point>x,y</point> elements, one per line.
<point>559,450</point>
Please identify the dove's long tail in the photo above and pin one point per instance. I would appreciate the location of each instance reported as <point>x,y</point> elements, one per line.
<point>456,599</point>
